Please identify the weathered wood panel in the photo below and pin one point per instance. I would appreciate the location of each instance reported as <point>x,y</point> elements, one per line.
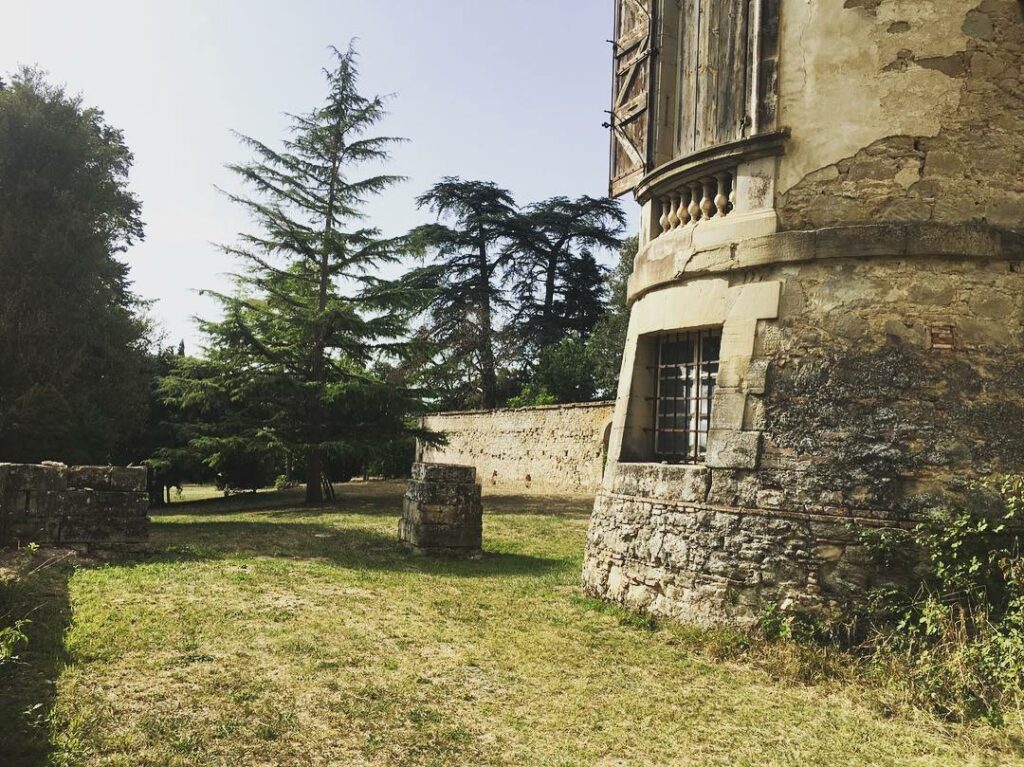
<point>724,45</point>
<point>689,56</point>
<point>722,75</point>
<point>768,66</point>
<point>631,94</point>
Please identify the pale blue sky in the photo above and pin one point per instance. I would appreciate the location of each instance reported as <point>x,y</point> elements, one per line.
<point>509,90</point>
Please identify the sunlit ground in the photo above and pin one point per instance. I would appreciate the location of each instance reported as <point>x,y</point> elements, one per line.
<point>258,632</point>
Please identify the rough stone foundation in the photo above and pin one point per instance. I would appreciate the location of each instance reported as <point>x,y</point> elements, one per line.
<point>891,374</point>
<point>442,511</point>
<point>73,506</point>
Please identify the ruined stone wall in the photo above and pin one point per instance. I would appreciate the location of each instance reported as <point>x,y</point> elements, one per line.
<point>556,448</point>
<point>892,373</point>
<point>70,506</point>
<point>902,110</point>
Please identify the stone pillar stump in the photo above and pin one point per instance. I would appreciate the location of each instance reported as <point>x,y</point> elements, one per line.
<point>441,511</point>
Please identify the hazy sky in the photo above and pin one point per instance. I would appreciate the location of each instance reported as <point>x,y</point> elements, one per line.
<point>508,90</point>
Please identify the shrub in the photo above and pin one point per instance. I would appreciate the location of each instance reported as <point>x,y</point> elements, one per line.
<point>954,640</point>
<point>11,639</point>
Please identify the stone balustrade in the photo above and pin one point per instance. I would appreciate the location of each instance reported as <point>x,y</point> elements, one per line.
<point>702,199</point>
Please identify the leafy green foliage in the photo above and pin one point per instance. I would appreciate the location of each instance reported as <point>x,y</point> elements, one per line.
<point>12,639</point>
<point>566,370</point>
<point>74,383</point>
<point>532,396</point>
<point>608,339</point>
<point>955,636</point>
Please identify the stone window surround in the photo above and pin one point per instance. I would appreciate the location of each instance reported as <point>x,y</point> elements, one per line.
<point>734,441</point>
<point>686,387</point>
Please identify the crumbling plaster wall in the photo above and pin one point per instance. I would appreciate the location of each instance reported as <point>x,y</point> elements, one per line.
<point>902,110</point>
<point>556,448</point>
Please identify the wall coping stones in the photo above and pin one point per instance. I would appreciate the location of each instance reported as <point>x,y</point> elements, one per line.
<point>563,406</point>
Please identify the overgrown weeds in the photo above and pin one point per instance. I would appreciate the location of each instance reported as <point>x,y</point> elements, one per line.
<point>949,635</point>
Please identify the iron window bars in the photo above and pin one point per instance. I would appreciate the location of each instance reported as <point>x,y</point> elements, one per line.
<point>685,378</point>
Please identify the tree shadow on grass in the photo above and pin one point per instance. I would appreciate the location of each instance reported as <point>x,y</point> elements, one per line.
<point>28,685</point>
<point>563,506</point>
<point>350,547</point>
<point>375,499</point>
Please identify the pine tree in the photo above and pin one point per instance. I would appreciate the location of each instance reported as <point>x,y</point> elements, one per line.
<point>293,351</point>
<point>461,285</point>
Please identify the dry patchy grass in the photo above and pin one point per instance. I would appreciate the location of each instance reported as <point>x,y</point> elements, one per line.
<point>259,632</point>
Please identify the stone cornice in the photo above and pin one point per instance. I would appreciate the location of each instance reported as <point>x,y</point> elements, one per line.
<point>664,261</point>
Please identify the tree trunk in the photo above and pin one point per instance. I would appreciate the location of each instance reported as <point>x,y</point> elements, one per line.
<point>318,365</point>
<point>548,309</point>
<point>485,349</point>
<point>314,474</point>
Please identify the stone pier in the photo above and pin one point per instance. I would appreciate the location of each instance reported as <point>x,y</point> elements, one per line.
<point>442,512</point>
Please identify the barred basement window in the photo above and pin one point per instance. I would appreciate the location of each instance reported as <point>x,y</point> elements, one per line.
<point>685,378</point>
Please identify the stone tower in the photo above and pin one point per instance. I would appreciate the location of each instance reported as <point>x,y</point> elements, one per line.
<point>827,323</point>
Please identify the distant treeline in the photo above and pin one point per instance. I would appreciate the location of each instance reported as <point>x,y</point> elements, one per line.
<point>317,367</point>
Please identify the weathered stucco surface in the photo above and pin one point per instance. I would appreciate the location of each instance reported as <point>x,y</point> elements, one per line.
<point>557,448</point>
<point>905,110</point>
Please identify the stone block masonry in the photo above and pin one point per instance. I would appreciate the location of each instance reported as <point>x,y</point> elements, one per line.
<point>554,449</point>
<point>441,511</point>
<point>73,506</point>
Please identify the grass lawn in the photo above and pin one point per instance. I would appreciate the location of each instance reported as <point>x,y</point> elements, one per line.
<point>258,632</point>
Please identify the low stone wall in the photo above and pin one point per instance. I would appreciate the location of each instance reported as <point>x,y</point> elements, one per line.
<point>77,505</point>
<point>554,448</point>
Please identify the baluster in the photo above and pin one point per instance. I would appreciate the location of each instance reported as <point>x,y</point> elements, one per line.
<point>666,206</point>
<point>681,210</point>
<point>694,207</point>
<point>707,203</point>
<point>721,199</point>
<point>673,217</point>
<point>732,194</point>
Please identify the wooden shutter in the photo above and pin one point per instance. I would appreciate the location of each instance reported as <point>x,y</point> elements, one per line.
<point>722,94</point>
<point>630,113</point>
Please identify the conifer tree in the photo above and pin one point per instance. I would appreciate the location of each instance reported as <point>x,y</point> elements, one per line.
<point>461,284</point>
<point>554,247</point>
<point>294,349</point>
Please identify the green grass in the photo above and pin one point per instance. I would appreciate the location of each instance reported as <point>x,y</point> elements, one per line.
<point>258,632</point>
